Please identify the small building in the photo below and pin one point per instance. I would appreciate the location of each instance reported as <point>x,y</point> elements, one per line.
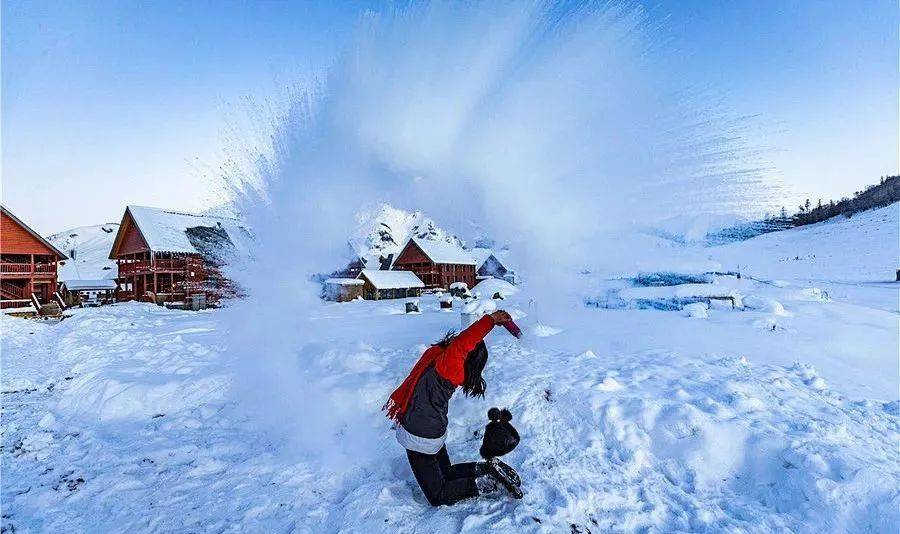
<point>380,262</point>
<point>379,285</point>
<point>88,292</point>
<point>488,265</point>
<point>170,256</point>
<point>437,263</point>
<point>342,289</point>
<point>28,267</point>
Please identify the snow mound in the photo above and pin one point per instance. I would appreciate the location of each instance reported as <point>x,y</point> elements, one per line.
<point>478,307</point>
<point>489,287</point>
<point>766,304</point>
<point>696,310</point>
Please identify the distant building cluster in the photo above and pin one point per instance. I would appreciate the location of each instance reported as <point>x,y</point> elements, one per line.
<point>175,259</point>
<point>421,265</point>
<point>163,256</point>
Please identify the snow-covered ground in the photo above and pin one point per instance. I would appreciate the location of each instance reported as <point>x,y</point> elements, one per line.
<point>781,416</point>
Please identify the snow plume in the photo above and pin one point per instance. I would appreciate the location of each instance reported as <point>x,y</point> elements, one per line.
<point>553,125</point>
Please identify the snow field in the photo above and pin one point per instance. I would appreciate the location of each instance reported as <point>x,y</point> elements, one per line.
<point>779,416</point>
<point>131,425</point>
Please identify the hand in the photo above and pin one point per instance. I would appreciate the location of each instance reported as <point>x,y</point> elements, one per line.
<point>501,317</point>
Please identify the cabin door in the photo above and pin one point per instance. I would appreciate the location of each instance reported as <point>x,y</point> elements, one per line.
<point>42,291</point>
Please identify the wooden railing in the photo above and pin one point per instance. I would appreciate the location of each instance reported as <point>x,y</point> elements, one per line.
<point>160,265</point>
<point>16,292</point>
<point>16,303</point>
<point>27,268</point>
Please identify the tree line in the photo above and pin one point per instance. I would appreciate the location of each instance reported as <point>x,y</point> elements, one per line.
<point>884,193</point>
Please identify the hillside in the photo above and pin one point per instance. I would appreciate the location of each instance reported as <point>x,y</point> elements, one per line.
<point>88,250</point>
<point>864,248</point>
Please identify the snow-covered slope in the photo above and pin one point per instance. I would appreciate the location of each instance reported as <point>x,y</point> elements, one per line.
<point>385,229</point>
<point>862,248</point>
<point>854,259</point>
<point>88,250</point>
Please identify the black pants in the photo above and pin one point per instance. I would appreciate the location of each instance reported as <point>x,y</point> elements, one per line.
<point>442,482</point>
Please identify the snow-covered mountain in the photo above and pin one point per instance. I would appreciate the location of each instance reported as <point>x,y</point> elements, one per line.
<point>88,250</point>
<point>385,229</point>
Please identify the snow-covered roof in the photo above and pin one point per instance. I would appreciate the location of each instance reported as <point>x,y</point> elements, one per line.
<point>480,255</point>
<point>81,285</point>
<point>444,252</point>
<point>392,279</point>
<point>344,281</point>
<point>166,230</point>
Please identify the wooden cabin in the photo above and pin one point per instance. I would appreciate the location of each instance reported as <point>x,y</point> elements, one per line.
<point>437,263</point>
<point>379,285</point>
<point>169,256</point>
<point>342,289</point>
<point>88,292</point>
<point>28,266</point>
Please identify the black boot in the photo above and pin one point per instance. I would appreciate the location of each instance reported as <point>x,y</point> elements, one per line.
<point>506,475</point>
<point>506,470</point>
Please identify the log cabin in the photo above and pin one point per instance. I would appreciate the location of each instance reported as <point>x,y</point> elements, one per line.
<point>342,289</point>
<point>28,266</point>
<point>437,263</point>
<point>169,256</point>
<point>88,292</point>
<point>379,285</point>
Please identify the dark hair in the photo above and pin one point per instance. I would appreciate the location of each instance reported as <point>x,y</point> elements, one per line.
<point>448,337</point>
<point>473,384</point>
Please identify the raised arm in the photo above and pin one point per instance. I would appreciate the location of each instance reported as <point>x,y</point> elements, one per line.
<point>450,364</point>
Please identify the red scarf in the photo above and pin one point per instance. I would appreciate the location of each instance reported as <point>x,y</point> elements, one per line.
<point>399,399</point>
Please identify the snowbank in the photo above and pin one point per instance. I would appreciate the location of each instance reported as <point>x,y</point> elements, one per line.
<point>489,287</point>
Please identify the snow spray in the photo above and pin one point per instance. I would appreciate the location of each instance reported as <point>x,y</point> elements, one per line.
<point>553,126</point>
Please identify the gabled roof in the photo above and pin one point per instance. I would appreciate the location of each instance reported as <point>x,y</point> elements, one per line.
<point>443,252</point>
<point>481,255</point>
<point>34,234</point>
<point>391,279</point>
<point>80,285</point>
<point>170,231</point>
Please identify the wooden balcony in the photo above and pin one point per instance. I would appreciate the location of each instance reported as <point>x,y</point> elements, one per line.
<point>160,266</point>
<point>27,269</point>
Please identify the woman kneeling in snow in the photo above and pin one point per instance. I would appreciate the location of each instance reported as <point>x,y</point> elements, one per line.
<point>419,406</point>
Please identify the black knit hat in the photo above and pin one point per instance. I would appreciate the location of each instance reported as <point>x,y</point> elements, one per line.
<point>499,435</point>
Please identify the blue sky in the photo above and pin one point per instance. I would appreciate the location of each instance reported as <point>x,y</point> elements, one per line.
<point>108,103</point>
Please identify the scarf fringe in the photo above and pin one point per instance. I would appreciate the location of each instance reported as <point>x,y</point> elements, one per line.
<point>392,409</point>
